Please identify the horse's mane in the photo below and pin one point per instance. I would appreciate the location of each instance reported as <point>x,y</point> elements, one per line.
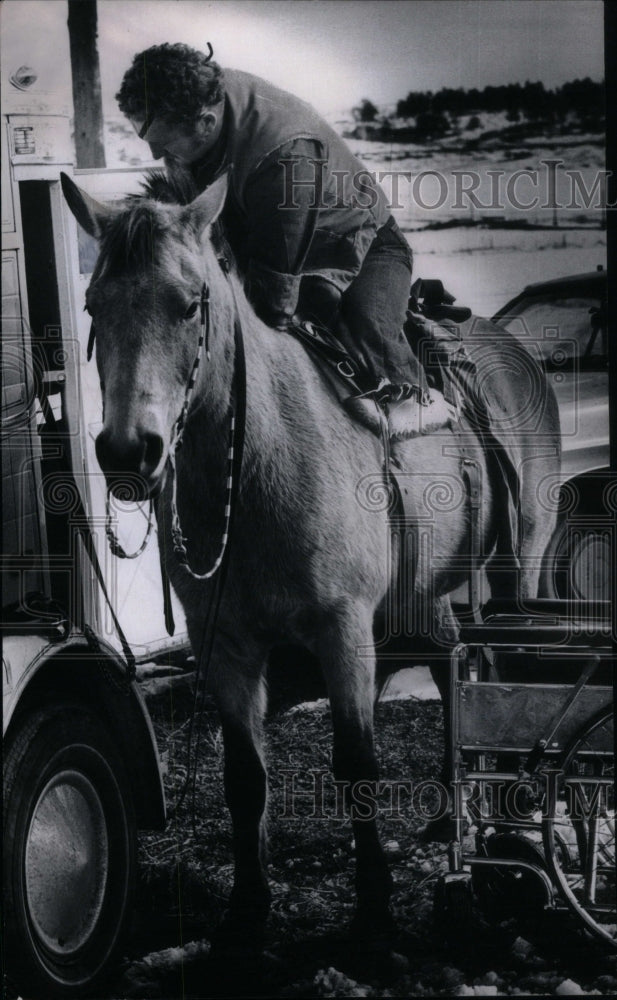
<point>129,238</point>
<point>173,187</point>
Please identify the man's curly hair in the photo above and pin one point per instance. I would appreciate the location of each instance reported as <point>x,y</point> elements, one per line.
<point>173,82</point>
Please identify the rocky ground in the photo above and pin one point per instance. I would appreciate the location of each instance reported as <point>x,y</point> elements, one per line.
<point>185,878</point>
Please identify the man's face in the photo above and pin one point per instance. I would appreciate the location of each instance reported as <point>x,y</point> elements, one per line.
<point>185,142</point>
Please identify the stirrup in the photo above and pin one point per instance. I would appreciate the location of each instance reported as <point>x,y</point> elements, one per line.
<point>385,392</point>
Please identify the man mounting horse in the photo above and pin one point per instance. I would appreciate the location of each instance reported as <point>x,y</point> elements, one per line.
<point>308,225</point>
<point>185,358</point>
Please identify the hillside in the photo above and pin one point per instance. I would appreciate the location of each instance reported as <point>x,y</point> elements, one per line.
<point>483,130</point>
<point>502,115</point>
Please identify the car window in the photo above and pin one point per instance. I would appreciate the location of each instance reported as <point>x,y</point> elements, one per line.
<point>567,324</point>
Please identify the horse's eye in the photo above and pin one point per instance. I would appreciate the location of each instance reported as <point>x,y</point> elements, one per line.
<point>190,312</point>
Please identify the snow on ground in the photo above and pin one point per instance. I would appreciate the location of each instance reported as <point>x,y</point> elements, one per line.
<point>484,269</point>
<point>542,187</point>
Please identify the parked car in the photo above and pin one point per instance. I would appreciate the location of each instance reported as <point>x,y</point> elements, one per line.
<point>564,324</point>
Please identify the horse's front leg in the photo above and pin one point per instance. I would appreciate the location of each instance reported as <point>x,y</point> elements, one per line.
<point>349,666</point>
<point>240,693</point>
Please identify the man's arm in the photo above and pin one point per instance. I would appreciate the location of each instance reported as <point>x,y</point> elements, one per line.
<point>282,203</point>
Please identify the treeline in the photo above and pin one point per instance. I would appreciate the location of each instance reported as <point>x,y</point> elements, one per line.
<point>580,99</point>
<point>531,99</point>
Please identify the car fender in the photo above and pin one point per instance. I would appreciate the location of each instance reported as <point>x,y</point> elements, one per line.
<point>36,670</point>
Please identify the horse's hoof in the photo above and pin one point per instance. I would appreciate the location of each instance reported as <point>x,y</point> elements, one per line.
<point>372,932</point>
<point>236,967</point>
<point>240,934</point>
<point>374,944</point>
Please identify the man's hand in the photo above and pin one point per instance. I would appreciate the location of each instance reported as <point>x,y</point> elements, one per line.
<point>279,321</point>
<point>274,319</point>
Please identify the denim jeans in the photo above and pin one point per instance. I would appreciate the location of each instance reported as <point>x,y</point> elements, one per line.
<point>368,318</point>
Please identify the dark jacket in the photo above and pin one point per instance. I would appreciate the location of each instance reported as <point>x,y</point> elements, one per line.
<point>300,203</point>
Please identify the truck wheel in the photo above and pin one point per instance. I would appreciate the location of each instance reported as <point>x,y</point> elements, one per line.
<point>69,851</point>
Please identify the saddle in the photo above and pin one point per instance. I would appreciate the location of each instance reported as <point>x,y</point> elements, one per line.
<point>443,337</point>
<point>428,301</point>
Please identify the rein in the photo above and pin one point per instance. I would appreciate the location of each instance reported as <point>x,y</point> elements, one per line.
<point>234,455</point>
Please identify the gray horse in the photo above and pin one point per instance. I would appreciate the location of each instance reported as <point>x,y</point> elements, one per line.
<point>311,560</point>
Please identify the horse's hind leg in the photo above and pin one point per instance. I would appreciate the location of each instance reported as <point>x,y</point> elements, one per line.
<point>241,698</point>
<point>349,666</point>
<point>536,525</point>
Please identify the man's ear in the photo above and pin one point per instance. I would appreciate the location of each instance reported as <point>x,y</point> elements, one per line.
<point>207,207</point>
<point>89,213</point>
<point>208,121</point>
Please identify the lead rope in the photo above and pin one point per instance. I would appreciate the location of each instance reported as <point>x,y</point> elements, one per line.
<point>178,538</point>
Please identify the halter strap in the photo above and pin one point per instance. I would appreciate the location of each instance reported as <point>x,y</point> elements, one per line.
<point>204,340</point>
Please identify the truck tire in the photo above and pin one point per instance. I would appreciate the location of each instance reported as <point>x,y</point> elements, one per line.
<point>69,851</point>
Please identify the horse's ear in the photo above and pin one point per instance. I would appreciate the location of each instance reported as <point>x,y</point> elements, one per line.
<point>88,212</point>
<point>206,208</point>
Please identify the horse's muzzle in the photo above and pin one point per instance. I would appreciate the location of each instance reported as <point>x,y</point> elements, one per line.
<point>134,465</point>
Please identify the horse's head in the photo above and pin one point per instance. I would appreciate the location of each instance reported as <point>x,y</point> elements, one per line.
<point>145,298</point>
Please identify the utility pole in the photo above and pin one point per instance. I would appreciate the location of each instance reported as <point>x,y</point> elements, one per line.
<point>86,77</point>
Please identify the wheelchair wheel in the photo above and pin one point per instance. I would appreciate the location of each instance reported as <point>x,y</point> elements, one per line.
<point>578,828</point>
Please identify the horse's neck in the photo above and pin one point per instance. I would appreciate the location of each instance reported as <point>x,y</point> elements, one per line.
<point>283,398</point>
<point>217,386</point>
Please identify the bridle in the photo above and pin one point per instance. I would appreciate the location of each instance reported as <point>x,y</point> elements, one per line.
<point>235,448</point>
